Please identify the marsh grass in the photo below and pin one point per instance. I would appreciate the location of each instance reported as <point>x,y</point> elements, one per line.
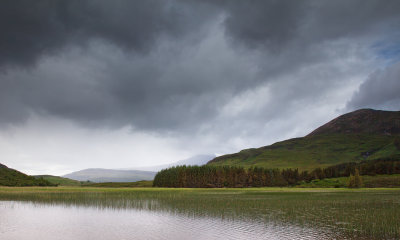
<point>360,213</point>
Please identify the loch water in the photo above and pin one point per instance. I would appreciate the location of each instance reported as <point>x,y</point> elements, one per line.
<point>48,221</point>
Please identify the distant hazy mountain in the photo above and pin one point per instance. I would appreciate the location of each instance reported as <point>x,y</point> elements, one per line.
<point>132,174</point>
<point>110,175</point>
<point>195,160</point>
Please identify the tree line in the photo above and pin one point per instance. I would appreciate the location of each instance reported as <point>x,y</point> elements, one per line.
<point>234,176</point>
<point>388,165</point>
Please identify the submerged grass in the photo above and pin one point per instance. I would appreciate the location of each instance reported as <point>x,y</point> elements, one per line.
<point>355,213</point>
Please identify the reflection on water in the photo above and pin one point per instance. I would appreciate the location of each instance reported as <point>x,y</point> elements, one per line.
<point>27,220</point>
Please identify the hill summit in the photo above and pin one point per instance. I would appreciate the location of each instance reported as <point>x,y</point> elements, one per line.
<point>363,121</point>
<point>365,134</point>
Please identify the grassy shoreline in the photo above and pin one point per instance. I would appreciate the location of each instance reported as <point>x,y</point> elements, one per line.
<point>83,189</point>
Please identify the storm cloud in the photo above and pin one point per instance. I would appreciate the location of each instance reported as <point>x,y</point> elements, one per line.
<point>211,76</point>
<point>32,29</point>
<point>380,90</point>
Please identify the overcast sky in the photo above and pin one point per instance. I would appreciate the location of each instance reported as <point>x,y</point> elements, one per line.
<point>122,84</point>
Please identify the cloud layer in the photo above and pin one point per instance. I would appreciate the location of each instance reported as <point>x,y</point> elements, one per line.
<point>380,90</point>
<point>209,76</point>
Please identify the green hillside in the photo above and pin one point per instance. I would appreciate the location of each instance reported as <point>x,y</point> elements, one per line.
<point>61,181</point>
<point>348,138</point>
<point>11,177</point>
<point>378,181</point>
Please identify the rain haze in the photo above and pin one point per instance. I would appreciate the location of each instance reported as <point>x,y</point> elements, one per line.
<point>125,84</point>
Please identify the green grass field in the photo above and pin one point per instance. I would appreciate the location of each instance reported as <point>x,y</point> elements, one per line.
<point>354,213</point>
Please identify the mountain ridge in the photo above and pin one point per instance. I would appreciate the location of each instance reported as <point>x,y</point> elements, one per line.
<point>363,121</point>
<point>200,159</point>
<point>110,175</point>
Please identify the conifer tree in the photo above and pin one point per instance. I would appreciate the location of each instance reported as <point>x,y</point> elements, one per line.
<point>357,179</point>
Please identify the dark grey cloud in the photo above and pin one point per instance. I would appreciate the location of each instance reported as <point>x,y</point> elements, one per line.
<point>166,89</point>
<point>175,65</point>
<point>276,24</point>
<point>381,90</point>
<point>269,24</point>
<point>31,29</point>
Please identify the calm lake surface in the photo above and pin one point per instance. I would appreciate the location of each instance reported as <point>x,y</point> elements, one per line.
<point>161,213</point>
<point>30,220</point>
